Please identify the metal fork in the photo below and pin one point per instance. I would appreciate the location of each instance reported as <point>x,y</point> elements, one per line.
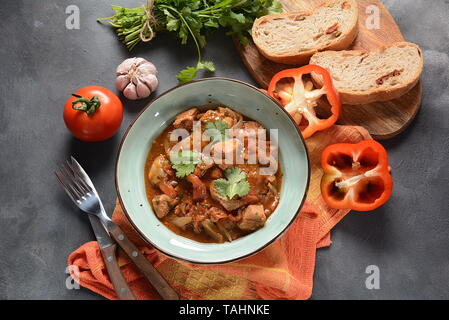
<point>81,191</point>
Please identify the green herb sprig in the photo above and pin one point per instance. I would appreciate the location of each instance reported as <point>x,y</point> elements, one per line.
<point>184,162</point>
<point>193,19</point>
<point>217,130</point>
<point>235,184</point>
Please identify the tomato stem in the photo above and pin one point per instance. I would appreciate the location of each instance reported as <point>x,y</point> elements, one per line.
<point>89,106</point>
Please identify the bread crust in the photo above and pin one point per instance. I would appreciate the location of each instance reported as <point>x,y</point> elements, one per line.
<point>355,97</point>
<point>303,58</point>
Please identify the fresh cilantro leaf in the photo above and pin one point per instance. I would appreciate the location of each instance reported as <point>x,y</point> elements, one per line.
<point>238,17</point>
<point>183,34</point>
<point>211,24</point>
<point>208,65</point>
<point>184,157</point>
<point>172,24</point>
<point>183,170</point>
<point>217,130</point>
<point>236,183</point>
<point>241,189</point>
<point>184,162</point>
<point>243,39</point>
<point>186,11</point>
<point>276,7</point>
<point>189,73</point>
<point>222,186</point>
<point>235,175</point>
<point>194,4</point>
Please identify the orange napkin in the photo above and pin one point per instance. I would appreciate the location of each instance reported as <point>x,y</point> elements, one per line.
<point>283,270</point>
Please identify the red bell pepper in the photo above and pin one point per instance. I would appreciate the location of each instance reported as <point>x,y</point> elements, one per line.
<point>168,189</point>
<point>300,99</point>
<point>356,176</point>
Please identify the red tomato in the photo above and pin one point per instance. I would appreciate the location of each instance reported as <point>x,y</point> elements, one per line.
<point>96,116</point>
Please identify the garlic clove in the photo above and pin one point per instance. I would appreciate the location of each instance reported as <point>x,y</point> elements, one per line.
<point>143,90</point>
<point>125,66</point>
<point>139,61</point>
<point>146,69</point>
<point>130,92</point>
<point>121,82</point>
<point>151,81</point>
<point>134,78</point>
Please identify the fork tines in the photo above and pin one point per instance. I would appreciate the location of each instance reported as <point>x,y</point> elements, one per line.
<point>71,181</point>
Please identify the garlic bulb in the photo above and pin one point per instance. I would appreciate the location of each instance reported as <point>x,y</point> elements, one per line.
<point>136,78</point>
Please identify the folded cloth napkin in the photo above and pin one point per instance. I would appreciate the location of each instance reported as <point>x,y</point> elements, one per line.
<point>283,270</point>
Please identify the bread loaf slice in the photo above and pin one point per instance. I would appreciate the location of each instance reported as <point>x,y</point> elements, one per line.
<point>363,77</point>
<point>293,37</point>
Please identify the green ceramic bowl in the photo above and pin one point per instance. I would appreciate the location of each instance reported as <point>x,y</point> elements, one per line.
<point>244,99</point>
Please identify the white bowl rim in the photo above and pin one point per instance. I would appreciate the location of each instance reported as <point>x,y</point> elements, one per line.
<point>168,254</point>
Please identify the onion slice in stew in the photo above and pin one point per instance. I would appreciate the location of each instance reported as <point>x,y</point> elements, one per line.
<point>209,228</point>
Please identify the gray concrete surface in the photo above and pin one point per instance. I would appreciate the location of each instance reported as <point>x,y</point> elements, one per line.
<point>43,62</point>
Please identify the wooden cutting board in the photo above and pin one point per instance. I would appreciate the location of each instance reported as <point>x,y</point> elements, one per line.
<point>383,120</point>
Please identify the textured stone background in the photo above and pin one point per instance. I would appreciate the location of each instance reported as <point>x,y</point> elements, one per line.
<point>43,62</point>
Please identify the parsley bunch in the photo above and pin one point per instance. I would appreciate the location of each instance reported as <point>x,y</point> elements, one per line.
<point>128,24</point>
<point>193,19</point>
<point>236,183</point>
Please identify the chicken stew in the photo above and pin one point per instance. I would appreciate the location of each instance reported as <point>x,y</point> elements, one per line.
<point>206,175</point>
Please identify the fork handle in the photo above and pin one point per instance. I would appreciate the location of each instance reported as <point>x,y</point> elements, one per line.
<point>145,267</point>
<point>119,283</point>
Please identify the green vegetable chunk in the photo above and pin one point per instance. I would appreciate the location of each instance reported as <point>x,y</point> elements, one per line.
<point>235,184</point>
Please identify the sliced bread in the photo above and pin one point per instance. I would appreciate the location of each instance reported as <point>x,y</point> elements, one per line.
<point>363,77</point>
<point>293,37</point>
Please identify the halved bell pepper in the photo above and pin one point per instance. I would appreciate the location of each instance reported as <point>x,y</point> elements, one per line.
<point>300,98</point>
<point>356,176</point>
